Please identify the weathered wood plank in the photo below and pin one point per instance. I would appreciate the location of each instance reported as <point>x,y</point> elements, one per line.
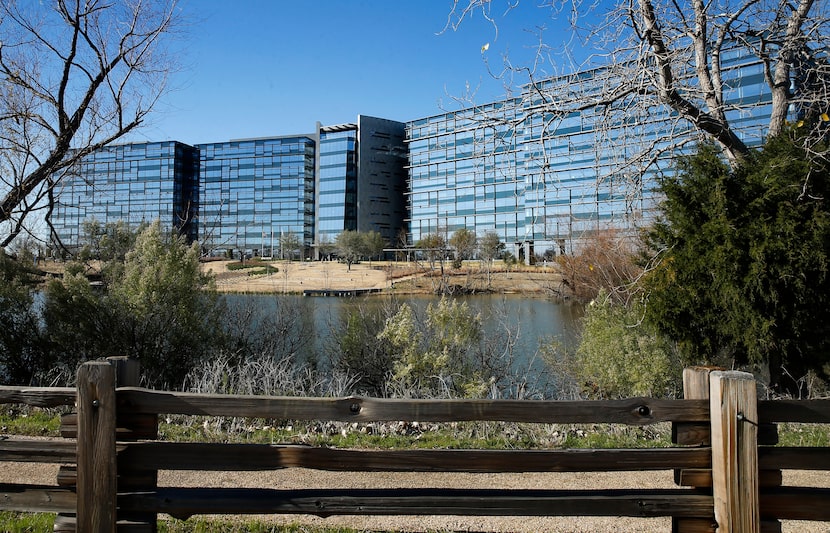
<point>691,434</point>
<point>796,503</point>
<point>185,502</point>
<point>38,396</point>
<point>695,387</point>
<point>220,457</point>
<point>694,525</point>
<point>734,411</point>
<point>804,411</point>
<point>633,411</point>
<point>67,476</point>
<point>130,526</point>
<point>133,427</point>
<point>798,458</point>
<point>128,426</point>
<point>36,499</point>
<point>37,451</point>
<point>65,523</point>
<point>132,481</point>
<point>694,477</point>
<point>97,476</point>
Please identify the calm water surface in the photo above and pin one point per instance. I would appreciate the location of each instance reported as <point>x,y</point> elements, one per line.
<point>532,320</point>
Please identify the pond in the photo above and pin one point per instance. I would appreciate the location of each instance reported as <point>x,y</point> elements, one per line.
<point>528,320</point>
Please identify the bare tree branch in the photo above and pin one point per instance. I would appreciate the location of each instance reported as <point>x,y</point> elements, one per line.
<point>681,55</point>
<point>73,78</point>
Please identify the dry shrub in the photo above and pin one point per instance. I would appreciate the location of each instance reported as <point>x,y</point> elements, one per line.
<point>606,261</point>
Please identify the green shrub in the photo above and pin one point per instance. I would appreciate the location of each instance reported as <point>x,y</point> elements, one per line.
<point>436,354</point>
<point>621,356</point>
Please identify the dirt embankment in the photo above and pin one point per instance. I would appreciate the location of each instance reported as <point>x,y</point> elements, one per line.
<point>400,278</point>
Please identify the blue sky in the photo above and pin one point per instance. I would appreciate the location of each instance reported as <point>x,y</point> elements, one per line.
<point>256,68</point>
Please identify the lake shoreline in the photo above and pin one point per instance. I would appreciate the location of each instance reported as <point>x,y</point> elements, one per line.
<point>295,277</point>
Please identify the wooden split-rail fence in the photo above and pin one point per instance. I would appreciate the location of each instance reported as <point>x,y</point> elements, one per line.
<point>727,471</point>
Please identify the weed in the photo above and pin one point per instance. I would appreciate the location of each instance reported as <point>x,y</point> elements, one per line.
<point>213,525</point>
<point>13,522</point>
<point>804,435</point>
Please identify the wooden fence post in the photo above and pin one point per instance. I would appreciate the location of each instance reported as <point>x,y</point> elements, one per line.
<point>132,427</point>
<point>97,476</point>
<point>734,420</point>
<point>695,387</point>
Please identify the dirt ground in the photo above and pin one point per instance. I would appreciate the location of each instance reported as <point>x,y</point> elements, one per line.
<point>401,278</point>
<point>297,478</point>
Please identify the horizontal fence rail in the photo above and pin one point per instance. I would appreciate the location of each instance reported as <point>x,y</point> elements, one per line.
<point>183,503</point>
<point>113,440</point>
<point>633,411</point>
<point>248,457</point>
<point>38,396</point>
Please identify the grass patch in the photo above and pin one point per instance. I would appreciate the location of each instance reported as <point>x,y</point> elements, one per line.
<point>804,435</point>
<point>13,522</point>
<point>261,271</point>
<point>613,436</point>
<point>400,435</point>
<point>210,525</point>
<point>36,422</point>
<point>31,422</point>
<point>250,263</point>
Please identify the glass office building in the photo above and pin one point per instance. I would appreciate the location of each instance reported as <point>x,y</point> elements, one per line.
<point>255,193</point>
<point>543,179</point>
<point>361,179</point>
<point>464,173</point>
<point>135,183</point>
<point>248,195</point>
<point>336,182</point>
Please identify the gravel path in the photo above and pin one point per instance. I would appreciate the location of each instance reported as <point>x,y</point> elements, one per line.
<point>295,478</point>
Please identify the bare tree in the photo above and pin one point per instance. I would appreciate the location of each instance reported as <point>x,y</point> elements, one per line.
<point>465,242</point>
<point>673,63</point>
<point>74,76</point>
<point>349,245</point>
<point>372,244</point>
<point>290,246</point>
<point>490,247</point>
<point>434,247</point>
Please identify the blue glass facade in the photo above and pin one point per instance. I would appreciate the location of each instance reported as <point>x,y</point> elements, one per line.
<point>547,179</point>
<point>132,182</point>
<point>361,178</point>
<point>256,191</point>
<point>247,195</point>
<point>464,173</point>
<point>337,181</point>
<point>540,178</point>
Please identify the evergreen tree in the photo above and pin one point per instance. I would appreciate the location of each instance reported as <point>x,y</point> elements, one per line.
<point>744,270</point>
<point>22,359</point>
